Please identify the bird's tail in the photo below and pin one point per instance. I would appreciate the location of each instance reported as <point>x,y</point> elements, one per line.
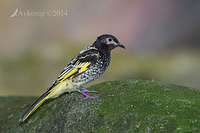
<point>34,106</point>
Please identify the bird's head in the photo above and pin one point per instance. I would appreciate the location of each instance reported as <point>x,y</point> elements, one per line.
<point>107,42</point>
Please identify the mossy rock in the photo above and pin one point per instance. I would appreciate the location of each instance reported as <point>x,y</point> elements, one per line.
<point>123,106</point>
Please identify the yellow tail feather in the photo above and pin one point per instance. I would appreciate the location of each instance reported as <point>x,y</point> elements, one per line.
<point>34,106</point>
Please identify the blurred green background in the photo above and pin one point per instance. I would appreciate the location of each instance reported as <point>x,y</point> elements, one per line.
<point>162,40</point>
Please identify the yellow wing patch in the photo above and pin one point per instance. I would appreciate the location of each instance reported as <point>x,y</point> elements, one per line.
<point>69,74</point>
<point>77,69</point>
<point>84,67</point>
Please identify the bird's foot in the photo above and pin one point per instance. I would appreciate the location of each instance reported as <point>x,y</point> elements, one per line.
<point>86,96</point>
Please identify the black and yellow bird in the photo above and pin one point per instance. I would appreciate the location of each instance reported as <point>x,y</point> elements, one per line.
<point>88,65</point>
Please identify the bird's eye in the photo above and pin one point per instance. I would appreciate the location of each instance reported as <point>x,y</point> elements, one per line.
<point>109,39</point>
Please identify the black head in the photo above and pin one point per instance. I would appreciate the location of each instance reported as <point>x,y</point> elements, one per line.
<point>107,42</point>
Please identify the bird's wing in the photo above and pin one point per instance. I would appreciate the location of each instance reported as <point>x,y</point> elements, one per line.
<point>79,64</point>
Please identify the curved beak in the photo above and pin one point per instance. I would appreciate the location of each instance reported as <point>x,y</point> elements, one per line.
<point>120,45</point>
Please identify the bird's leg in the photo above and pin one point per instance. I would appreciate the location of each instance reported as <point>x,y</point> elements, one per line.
<point>86,96</point>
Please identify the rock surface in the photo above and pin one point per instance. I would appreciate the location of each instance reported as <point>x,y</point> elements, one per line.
<point>123,106</point>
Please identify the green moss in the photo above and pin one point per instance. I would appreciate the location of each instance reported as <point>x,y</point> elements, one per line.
<point>123,106</point>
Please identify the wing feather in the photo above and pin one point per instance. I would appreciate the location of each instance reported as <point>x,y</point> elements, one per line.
<point>79,64</point>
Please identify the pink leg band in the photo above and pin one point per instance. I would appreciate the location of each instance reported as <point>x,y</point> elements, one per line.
<point>85,94</point>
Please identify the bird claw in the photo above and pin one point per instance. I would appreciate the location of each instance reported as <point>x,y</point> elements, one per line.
<point>93,91</point>
<point>86,96</point>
